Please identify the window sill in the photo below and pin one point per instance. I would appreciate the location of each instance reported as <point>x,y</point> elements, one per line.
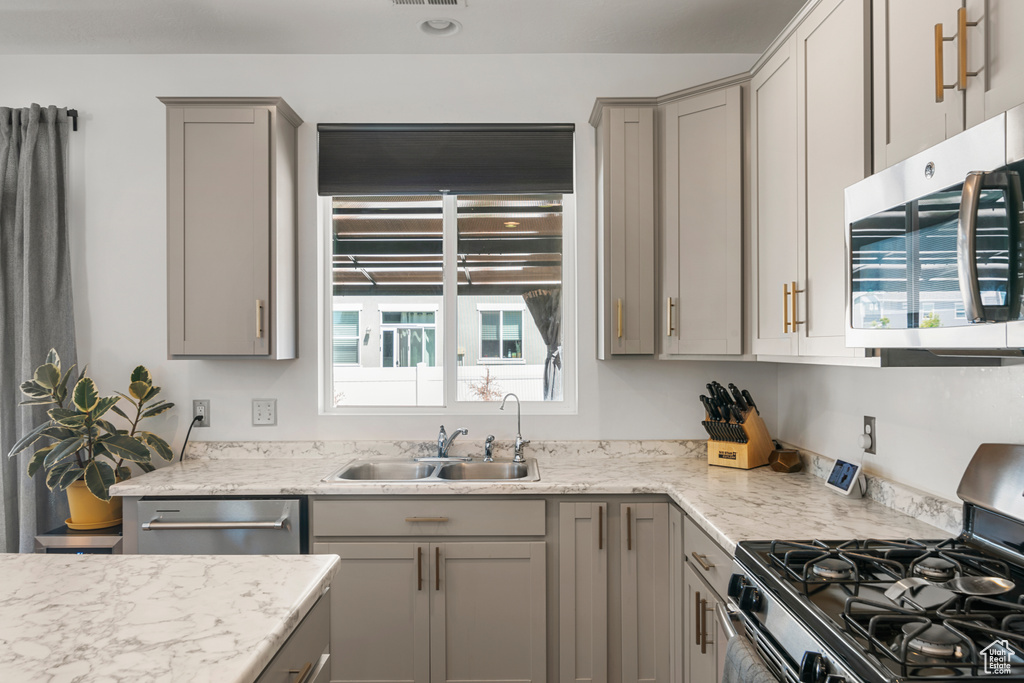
<point>501,361</point>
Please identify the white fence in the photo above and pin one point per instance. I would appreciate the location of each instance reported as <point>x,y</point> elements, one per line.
<point>423,386</point>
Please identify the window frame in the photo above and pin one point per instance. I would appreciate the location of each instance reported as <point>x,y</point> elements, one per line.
<point>383,308</point>
<point>447,327</point>
<point>501,309</point>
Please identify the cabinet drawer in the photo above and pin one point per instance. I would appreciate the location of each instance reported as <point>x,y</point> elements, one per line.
<point>428,518</point>
<point>699,548</point>
<point>308,646</point>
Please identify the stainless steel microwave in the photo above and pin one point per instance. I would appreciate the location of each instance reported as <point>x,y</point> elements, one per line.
<point>934,247</point>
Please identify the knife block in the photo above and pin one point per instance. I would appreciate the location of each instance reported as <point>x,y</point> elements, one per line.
<point>744,456</point>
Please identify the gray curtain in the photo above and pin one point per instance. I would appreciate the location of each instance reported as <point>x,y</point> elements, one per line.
<point>36,311</point>
<point>545,306</point>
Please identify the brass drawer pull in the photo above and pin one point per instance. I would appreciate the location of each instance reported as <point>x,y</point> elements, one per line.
<point>668,317</point>
<point>701,560</point>
<point>303,672</point>
<point>259,319</point>
<point>629,528</point>
<point>618,306</point>
<point>795,292</point>
<point>600,527</point>
<point>426,519</point>
<point>785,308</point>
<point>437,568</point>
<point>704,609</point>
<point>961,39</point>
<point>940,85</point>
<point>696,618</point>
<point>419,567</point>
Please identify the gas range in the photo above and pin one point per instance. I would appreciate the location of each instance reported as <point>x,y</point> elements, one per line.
<point>828,612</point>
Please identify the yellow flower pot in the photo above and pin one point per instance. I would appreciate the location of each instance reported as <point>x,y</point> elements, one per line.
<point>88,511</point>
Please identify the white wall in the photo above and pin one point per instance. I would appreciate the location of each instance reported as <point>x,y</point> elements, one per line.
<point>118,201</point>
<point>929,420</point>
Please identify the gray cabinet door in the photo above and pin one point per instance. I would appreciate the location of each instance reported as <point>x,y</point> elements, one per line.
<point>701,631</point>
<point>218,230</point>
<point>583,592</point>
<point>644,568</point>
<point>380,620</point>
<point>626,254</point>
<point>676,588</point>
<point>488,612</point>
<point>701,224</point>
<point>996,52</point>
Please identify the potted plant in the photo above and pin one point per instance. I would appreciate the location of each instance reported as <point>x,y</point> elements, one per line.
<point>86,453</point>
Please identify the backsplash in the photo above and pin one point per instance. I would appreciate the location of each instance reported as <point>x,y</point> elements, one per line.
<point>926,507</point>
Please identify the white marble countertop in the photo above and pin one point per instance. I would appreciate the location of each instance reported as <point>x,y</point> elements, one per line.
<point>729,504</point>
<point>151,618</point>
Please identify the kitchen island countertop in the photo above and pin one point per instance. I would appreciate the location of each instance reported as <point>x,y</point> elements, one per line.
<point>729,504</point>
<point>151,618</point>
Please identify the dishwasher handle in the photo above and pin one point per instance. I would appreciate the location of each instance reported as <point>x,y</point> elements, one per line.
<point>157,525</point>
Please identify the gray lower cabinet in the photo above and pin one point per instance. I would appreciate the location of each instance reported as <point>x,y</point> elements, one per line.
<point>705,578</point>
<point>305,656</point>
<point>614,610</point>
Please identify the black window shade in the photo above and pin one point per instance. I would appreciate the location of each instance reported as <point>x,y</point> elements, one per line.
<point>402,159</point>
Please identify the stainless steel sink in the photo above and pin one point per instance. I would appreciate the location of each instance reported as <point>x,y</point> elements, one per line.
<point>384,471</point>
<point>403,470</point>
<point>488,471</point>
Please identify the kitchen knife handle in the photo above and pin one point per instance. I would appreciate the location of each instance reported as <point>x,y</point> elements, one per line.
<point>961,39</point>
<point>668,317</point>
<point>785,308</point>
<point>940,78</point>
<point>618,308</point>
<point>795,292</point>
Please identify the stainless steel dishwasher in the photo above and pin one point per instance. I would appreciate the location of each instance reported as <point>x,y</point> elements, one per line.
<point>221,526</point>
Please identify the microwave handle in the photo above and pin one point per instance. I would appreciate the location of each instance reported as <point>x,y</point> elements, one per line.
<point>967,233</point>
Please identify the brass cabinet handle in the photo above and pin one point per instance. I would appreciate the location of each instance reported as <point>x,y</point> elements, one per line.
<point>426,519</point>
<point>419,567</point>
<point>618,306</point>
<point>696,617</point>
<point>794,292</point>
<point>785,308</point>
<point>961,39</point>
<point>259,319</point>
<point>600,528</point>
<point>940,84</point>
<point>701,560</point>
<point>668,317</point>
<point>703,626</point>
<point>437,568</point>
<point>303,672</point>
<point>629,528</point>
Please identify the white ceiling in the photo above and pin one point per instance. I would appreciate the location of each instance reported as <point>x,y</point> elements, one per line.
<point>379,27</point>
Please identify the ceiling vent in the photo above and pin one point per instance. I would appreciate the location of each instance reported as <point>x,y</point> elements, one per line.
<point>428,3</point>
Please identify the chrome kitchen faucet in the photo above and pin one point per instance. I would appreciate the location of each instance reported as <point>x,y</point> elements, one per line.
<point>520,441</point>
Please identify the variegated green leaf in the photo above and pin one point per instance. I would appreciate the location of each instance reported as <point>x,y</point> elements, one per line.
<point>151,394</point>
<point>59,413</point>
<point>161,447</point>
<point>99,477</point>
<point>158,409</point>
<point>85,396</point>
<point>103,405</point>
<point>34,389</point>
<point>37,402</point>
<point>109,427</point>
<point>141,374</point>
<point>146,467</point>
<point>47,376</point>
<point>37,459</point>
<point>27,440</point>
<point>53,359</point>
<point>138,390</point>
<point>122,473</point>
<point>120,412</point>
<point>57,432</point>
<point>75,421</point>
<point>62,389</point>
<point>65,450</point>
<point>69,477</point>
<point>127,447</point>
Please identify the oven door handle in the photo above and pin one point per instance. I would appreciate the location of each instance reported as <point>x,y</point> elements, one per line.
<point>725,618</point>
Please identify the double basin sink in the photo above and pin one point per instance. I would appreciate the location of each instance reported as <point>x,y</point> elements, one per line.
<point>410,471</point>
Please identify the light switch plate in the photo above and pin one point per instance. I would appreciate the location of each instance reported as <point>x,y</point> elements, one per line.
<point>264,411</point>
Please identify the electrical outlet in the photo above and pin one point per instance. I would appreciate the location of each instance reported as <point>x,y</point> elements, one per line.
<point>201,408</point>
<point>869,431</point>
<point>264,411</point>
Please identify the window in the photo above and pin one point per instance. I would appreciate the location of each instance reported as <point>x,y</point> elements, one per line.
<point>345,343</point>
<point>462,298</point>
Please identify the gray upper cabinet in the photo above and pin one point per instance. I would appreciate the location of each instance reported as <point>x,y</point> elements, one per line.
<point>231,227</point>
<point>626,237</point>
<point>995,52</point>
<point>701,224</point>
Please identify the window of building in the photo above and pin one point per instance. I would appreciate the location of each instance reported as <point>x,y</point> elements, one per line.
<point>462,297</point>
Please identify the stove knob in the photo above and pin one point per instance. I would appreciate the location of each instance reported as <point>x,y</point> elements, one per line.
<point>812,668</point>
<point>750,599</point>
<point>736,584</point>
